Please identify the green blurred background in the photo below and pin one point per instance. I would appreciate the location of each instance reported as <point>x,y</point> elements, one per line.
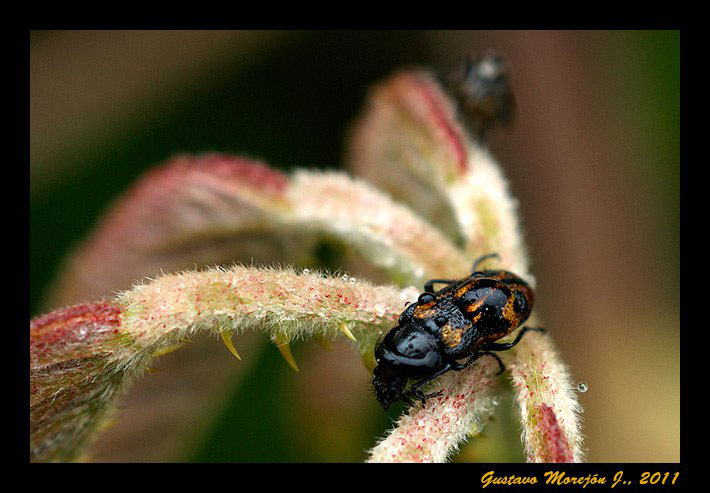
<point>593,157</point>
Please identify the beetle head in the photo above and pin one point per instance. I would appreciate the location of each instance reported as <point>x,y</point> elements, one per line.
<point>405,352</point>
<point>389,385</point>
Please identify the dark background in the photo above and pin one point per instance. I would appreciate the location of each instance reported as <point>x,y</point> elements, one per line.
<point>593,157</point>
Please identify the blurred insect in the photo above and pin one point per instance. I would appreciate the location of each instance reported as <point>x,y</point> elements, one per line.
<point>461,320</point>
<point>482,89</point>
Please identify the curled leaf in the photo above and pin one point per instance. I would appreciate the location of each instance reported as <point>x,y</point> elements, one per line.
<point>410,143</point>
<point>192,211</point>
<point>73,375</point>
<point>83,356</point>
<point>213,209</point>
<point>387,234</point>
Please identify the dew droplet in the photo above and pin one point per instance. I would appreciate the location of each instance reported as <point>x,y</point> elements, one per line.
<point>306,271</point>
<point>353,280</point>
<point>582,387</point>
<point>345,277</point>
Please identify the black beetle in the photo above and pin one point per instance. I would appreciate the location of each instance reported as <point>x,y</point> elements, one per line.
<point>483,91</point>
<point>461,320</point>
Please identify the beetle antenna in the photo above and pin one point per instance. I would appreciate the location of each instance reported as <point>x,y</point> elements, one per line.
<point>480,259</point>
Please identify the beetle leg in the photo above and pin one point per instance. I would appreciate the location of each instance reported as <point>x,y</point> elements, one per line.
<point>414,390</point>
<point>421,396</point>
<point>429,396</point>
<point>473,358</point>
<point>481,259</point>
<point>416,394</point>
<point>500,363</point>
<point>429,286</point>
<point>496,346</point>
<point>408,399</point>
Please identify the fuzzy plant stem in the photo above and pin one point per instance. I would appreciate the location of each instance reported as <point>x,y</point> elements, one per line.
<point>83,356</point>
